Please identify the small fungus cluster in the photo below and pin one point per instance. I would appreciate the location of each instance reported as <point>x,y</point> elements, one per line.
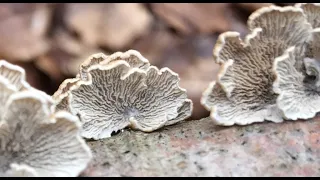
<point>35,139</point>
<point>123,90</point>
<point>273,74</point>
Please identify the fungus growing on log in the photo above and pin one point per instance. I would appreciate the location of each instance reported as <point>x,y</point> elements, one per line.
<point>243,93</point>
<point>125,91</point>
<point>36,140</point>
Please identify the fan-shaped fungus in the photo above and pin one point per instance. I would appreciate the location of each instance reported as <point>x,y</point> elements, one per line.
<point>124,90</point>
<point>243,93</point>
<point>35,140</point>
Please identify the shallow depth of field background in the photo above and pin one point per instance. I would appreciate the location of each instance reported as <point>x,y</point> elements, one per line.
<point>51,40</point>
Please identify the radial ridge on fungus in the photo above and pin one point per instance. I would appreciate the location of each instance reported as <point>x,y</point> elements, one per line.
<point>298,88</point>
<point>35,139</point>
<point>243,93</point>
<point>123,90</point>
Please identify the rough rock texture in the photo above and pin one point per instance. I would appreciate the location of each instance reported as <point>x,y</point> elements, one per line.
<point>199,148</point>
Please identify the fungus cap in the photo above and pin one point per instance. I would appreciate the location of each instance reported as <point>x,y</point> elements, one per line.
<point>28,136</point>
<point>312,12</point>
<point>133,57</point>
<point>127,93</point>
<point>14,74</point>
<point>246,77</point>
<point>30,127</point>
<point>298,91</point>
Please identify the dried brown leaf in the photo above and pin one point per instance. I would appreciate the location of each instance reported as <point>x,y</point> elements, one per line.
<point>111,25</point>
<point>253,6</point>
<point>191,17</point>
<point>22,30</point>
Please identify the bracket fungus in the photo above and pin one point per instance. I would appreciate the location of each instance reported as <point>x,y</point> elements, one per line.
<point>312,12</point>
<point>123,90</point>
<point>14,74</point>
<point>243,93</point>
<point>134,58</point>
<point>298,93</point>
<point>36,140</point>
<point>299,88</point>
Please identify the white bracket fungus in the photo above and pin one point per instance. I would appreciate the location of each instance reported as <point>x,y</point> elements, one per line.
<point>134,58</point>
<point>243,92</point>
<point>312,11</point>
<point>298,98</point>
<point>34,139</point>
<point>14,74</point>
<point>299,87</point>
<point>123,90</point>
<point>61,95</point>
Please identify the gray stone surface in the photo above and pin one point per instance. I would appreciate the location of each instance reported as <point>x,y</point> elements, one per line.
<point>199,148</point>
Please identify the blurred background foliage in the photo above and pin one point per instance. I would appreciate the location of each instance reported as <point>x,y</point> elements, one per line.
<point>50,40</point>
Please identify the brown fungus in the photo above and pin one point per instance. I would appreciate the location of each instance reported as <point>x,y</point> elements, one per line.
<point>120,93</point>
<point>243,93</point>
